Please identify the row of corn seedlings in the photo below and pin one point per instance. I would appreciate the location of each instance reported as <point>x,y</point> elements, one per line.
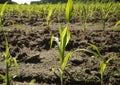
<point>61,42</point>
<point>8,59</point>
<point>85,12</point>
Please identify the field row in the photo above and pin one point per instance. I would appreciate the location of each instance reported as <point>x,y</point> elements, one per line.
<point>83,12</point>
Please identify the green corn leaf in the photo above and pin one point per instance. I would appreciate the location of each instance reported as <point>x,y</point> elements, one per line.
<point>49,14</point>
<point>66,60</point>
<point>7,61</point>
<point>68,36</point>
<point>63,38</point>
<point>51,42</point>
<point>61,47</point>
<point>61,55</point>
<point>32,82</point>
<point>102,67</point>
<point>3,77</point>
<point>118,23</point>
<point>89,51</point>
<point>3,9</point>
<point>69,9</point>
<point>63,34</point>
<point>60,29</point>
<point>109,59</point>
<point>15,62</point>
<point>94,47</point>
<point>2,12</point>
<point>7,48</point>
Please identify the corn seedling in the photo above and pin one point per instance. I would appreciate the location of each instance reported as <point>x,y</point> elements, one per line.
<point>85,9</point>
<point>49,16</point>
<point>117,23</point>
<point>86,13</point>
<point>1,15</point>
<point>69,10</point>
<point>104,14</point>
<point>9,61</point>
<point>58,11</point>
<point>61,44</point>
<point>102,61</point>
<point>41,11</point>
<point>20,12</point>
<point>63,41</point>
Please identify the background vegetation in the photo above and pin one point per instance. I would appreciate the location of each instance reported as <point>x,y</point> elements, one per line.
<point>62,1</point>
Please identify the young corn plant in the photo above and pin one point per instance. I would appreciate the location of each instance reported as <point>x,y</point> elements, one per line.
<point>63,41</point>
<point>58,12</point>
<point>102,61</point>
<point>1,15</point>
<point>117,23</point>
<point>61,44</point>
<point>48,19</point>
<point>69,10</point>
<point>104,14</point>
<point>86,14</point>
<point>9,61</point>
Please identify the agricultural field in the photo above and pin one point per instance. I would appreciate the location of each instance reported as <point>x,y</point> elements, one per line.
<point>60,44</point>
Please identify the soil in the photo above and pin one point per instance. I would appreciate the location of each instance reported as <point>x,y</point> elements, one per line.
<point>30,45</point>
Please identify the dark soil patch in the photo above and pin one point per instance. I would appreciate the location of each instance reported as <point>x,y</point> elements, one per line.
<point>30,45</point>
